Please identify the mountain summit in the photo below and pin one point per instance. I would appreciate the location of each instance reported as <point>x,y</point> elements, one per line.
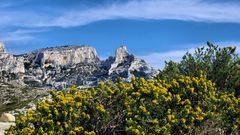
<point>63,66</point>
<point>2,49</point>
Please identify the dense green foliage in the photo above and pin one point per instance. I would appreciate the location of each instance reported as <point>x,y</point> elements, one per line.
<point>190,97</point>
<point>221,65</point>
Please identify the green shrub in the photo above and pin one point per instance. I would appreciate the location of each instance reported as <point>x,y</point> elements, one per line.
<point>220,65</point>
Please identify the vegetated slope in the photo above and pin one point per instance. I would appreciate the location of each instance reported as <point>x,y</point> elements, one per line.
<point>18,98</point>
<point>184,105</point>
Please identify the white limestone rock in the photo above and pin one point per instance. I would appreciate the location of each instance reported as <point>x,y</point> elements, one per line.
<point>126,64</point>
<point>11,64</point>
<point>6,117</point>
<point>4,126</point>
<point>69,65</point>
<point>68,55</point>
<point>121,54</point>
<point>2,49</point>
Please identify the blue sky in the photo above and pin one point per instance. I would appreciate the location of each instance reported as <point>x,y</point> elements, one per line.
<point>156,30</point>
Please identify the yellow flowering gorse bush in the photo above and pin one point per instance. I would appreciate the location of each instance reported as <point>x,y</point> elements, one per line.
<point>183,105</point>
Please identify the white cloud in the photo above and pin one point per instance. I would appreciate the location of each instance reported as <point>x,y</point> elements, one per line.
<point>191,10</point>
<point>15,37</point>
<point>19,36</point>
<point>157,59</point>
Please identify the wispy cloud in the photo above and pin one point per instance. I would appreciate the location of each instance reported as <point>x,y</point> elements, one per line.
<point>157,59</point>
<point>47,16</point>
<point>152,9</point>
<point>17,35</point>
<point>191,10</point>
<point>20,36</point>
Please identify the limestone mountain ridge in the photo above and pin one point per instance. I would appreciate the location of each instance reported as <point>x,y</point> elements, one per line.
<point>63,66</point>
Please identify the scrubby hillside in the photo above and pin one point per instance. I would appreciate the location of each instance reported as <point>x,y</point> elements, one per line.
<point>184,105</point>
<point>17,99</point>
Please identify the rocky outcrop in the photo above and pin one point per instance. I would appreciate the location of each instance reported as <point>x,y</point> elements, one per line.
<point>10,63</point>
<point>6,117</point>
<point>6,121</point>
<point>63,66</point>
<point>67,55</point>
<point>127,65</point>
<point>2,49</point>
<point>121,54</point>
<point>4,126</point>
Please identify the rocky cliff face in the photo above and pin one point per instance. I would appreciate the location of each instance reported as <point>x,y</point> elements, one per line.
<point>68,55</point>
<point>63,66</point>
<point>10,63</point>
<point>126,65</point>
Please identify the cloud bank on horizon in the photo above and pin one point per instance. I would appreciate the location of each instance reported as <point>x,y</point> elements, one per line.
<point>22,20</point>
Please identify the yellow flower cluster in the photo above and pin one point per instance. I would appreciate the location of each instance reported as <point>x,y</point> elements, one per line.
<point>100,108</point>
<point>180,106</point>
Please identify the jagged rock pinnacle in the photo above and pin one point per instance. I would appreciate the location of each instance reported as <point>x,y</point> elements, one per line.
<point>10,63</point>
<point>2,49</point>
<point>121,53</point>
